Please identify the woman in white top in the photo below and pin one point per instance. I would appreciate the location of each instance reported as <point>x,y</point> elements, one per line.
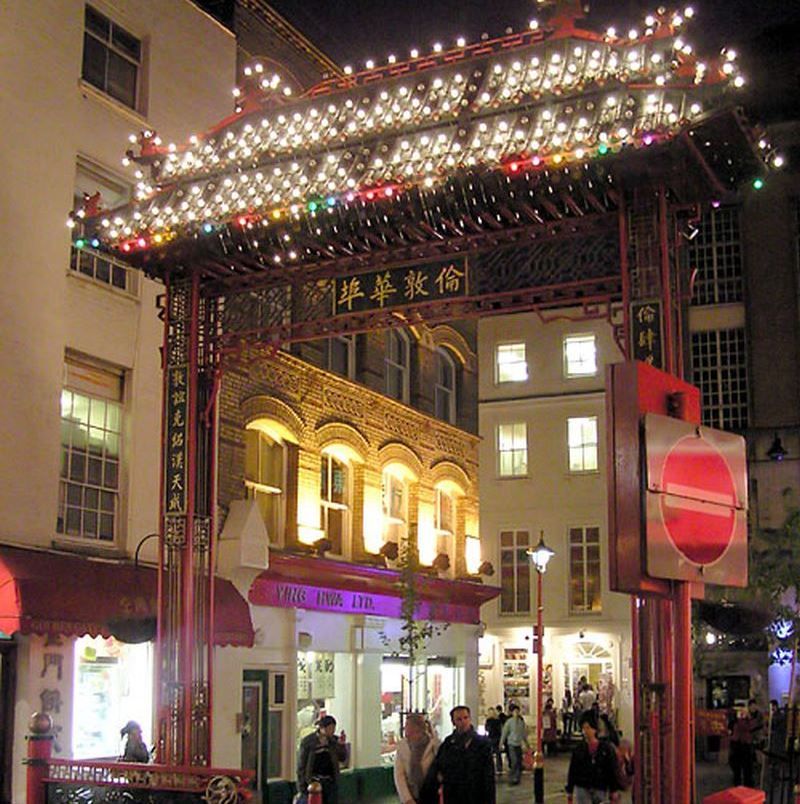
<point>415,754</point>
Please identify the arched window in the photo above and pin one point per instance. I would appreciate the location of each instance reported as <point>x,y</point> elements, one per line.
<point>265,479</point>
<point>397,365</point>
<point>445,390</point>
<point>395,506</point>
<point>335,494</point>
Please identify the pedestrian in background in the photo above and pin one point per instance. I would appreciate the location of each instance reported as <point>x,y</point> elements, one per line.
<point>549,728</point>
<point>318,758</point>
<point>515,736</point>
<point>464,765</point>
<point>566,713</point>
<point>415,755</point>
<point>593,768</point>
<point>742,756</point>
<point>135,749</point>
<point>494,731</point>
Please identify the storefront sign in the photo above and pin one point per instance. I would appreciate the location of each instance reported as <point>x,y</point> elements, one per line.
<point>273,592</point>
<point>394,287</point>
<point>711,722</point>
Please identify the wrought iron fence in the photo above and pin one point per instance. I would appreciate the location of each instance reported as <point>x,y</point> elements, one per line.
<point>95,782</point>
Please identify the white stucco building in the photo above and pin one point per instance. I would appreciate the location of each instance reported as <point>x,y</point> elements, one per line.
<point>543,468</point>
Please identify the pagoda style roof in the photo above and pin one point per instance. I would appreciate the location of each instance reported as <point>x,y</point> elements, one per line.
<point>536,129</point>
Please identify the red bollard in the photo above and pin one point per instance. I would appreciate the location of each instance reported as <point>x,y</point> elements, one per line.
<point>315,793</point>
<point>40,748</point>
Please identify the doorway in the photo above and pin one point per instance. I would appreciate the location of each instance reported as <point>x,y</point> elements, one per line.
<point>263,727</point>
<point>8,680</point>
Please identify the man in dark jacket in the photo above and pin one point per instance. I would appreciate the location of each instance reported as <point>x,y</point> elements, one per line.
<point>318,758</point>
<point>592,775</point>
<point>463,765</point>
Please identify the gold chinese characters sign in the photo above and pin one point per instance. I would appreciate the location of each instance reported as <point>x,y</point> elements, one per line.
<point>401,287</point>
<point>176,445</point>
<point>646,332</point>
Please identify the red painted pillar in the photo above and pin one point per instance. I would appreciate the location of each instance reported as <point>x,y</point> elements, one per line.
<point>683,728</point>
<point>40,748</point>
<point>538,764</point>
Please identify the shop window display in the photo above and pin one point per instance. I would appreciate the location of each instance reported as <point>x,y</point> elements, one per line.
<point>113,684</point>
<point>325,686</point>
<point>433,692</point>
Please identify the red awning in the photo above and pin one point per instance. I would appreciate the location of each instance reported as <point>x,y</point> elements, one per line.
<point>56,593</point>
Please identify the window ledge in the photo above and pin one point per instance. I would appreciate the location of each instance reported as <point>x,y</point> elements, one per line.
<point>104,286</point>
<point>512,477</point>
<point>89,91</point>
<point>86,548</point>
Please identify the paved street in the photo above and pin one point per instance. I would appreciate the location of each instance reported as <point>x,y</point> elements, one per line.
<point>711,777</point>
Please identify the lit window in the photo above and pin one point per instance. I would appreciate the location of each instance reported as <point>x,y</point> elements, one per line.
<point>91,436</point>
<point>444,515</point>
<point>515,572</point>
<point>580,355</point>
<point>584,570</point>
<point>335,502</point>
<point>512,449</point>
<point>394,498</point>
<point>510,363</point>
<point>473,554</point>
<point>341,355</point>
<point>397,365</point>
<point>395,508</point>
<point>113,684</point>
<point>265,479</point>
<point>112,58</point>
<point>582,443</point>
<point>445,391</point>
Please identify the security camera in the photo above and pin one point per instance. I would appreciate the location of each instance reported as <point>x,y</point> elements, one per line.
<point>581,634</point>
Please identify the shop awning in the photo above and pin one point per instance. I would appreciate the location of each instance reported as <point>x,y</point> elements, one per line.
<point>44,592</point>
<point>308,582</point>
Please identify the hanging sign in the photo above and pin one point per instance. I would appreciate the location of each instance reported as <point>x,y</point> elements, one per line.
<point>646,332</point>
<point>176,440</point>
<point>400,287</point>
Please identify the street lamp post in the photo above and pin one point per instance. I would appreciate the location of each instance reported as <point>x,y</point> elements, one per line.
<point>539,557</point>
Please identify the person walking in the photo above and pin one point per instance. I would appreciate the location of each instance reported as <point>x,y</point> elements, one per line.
<point>549,728</point>
<point>318,758</point>
<point>464,765</point>
<point>566,713</point>
<point>494,731</point>
<point>742,755</point>
<point>592,774</point>
<point>515,736</point>
<point>415,755</point>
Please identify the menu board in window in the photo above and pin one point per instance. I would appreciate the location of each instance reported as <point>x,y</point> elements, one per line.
<point>517,679</point>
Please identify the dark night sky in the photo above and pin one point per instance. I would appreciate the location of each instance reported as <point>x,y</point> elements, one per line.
<point>352,31</point>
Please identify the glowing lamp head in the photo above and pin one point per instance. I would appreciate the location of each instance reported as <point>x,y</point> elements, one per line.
<point>540,555</point>
<point>141,242</point>
<point>208,228</point>
<point>758,183</point>
<point>647,139</point>
<point>513,166</point>
<point>80,243</point>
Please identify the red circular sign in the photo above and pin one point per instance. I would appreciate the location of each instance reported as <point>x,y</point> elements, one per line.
<point>699,515</point>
